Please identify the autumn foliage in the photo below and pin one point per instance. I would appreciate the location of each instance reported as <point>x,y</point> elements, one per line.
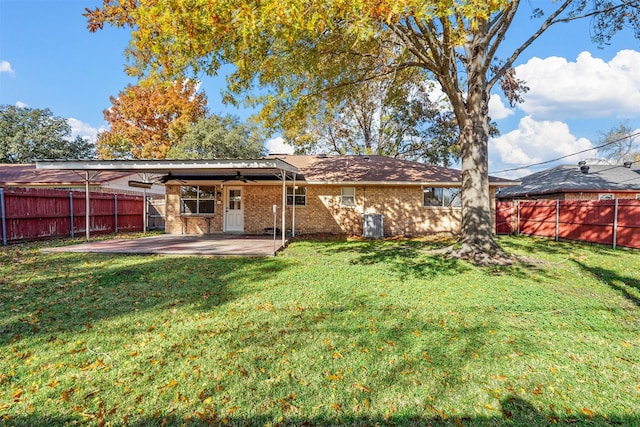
<point>147,120</point>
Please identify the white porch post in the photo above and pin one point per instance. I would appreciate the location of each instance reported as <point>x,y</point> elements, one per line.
<point>293,208</point>
<point>87,221</point>
<point>284,204</point>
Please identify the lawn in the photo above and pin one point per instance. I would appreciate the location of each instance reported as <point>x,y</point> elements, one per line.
<point>326,333</point>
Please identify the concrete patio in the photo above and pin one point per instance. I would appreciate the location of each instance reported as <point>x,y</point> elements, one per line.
<point>166,244</point>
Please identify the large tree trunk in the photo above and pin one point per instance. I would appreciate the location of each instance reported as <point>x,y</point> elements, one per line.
<point>477,242</point>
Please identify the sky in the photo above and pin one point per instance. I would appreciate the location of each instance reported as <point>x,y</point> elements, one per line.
<point>578,91</point>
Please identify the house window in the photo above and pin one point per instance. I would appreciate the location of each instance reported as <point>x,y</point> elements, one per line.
<point>440,197</point>
<point>606,196</point>
<point>300,196</point>
<point>197,200</point>
<point>348,196</point>
<point>637,196</point>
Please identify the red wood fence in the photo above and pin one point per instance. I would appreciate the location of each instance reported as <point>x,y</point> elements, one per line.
<point>28,214</point>
<point>608,222</point>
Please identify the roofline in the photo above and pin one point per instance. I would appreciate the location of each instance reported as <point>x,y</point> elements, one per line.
<point>405,183</point>
<point>562,190</point>
<point>161,166</point>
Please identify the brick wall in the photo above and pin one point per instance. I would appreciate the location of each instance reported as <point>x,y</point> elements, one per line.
<point>401,207</point>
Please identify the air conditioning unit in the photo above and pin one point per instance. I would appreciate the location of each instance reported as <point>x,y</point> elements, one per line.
<point>373,226</point>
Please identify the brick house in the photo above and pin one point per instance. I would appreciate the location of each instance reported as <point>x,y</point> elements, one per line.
<point>578,182</point>
<point>303,194</point>
<point>330,194</point>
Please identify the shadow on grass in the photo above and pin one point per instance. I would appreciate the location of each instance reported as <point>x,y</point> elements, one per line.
<point>61,293</point>
<point>515,411</point>
<point>408,258</point>
<point>628,287</point>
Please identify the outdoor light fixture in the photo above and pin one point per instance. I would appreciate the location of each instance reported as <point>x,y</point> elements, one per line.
<point>140,184</point>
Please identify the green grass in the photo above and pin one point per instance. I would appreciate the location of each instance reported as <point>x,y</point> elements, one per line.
<point>327,333</point>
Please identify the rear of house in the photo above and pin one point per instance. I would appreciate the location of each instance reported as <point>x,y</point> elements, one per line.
<point>326,194</point>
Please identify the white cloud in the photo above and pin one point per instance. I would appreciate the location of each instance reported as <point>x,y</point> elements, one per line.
<point>21,104</point>
<point>497,109</point>
<point>278,146</point>
<point>5,67</point>
<point>538,141</point>
<point>588,87</point>
<point>79,128</point>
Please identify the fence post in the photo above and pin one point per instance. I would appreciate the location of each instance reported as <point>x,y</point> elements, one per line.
<point>3,218</point>
<point>557,219</point>
<point>71,227</point>
<point>115,213</point>
<point>518,217</point>
<point>615,223</point>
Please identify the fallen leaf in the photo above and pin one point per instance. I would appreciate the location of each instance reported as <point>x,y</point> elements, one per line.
<point>588,412</point>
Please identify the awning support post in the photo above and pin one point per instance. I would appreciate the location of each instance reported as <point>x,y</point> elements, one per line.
<point>284,204</point>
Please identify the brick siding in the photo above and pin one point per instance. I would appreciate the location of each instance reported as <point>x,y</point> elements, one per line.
<point>401,206</point>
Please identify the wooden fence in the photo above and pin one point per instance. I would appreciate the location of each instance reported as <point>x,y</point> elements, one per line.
<point>29,214</point>
<point>609,222</point>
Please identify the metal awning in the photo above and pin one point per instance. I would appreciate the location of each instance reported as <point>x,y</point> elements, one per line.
<point>214,169</point>
<point>193,167</point>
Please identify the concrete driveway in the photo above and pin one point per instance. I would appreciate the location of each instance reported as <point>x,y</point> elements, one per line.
<point>166,244</point>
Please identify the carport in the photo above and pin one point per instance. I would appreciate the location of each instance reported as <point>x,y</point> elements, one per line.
<point>267,170</point>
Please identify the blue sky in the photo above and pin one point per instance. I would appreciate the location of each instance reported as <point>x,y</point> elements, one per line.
<point>48,59</point>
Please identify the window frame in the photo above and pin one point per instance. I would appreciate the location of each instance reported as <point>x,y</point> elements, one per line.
<point>606,196</point>
<point>198,199</point>
<point>344,197</point>
<point>453,194</point>
<point>294,195</point>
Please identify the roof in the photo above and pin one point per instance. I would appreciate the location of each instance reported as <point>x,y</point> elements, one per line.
<point>570,179</point>
<point>313,169</point>
<point>20,175</point>
<point>325,169</point>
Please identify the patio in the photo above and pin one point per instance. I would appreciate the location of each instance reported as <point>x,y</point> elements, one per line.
<point>209,245</point>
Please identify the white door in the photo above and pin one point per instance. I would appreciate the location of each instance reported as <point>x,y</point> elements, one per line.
<point>234,216</point>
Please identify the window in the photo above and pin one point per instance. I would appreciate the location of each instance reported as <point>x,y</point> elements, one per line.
<point>348,196</point>
<point>197,200</point>
<point>441,197</point>
<point>606,196</point>
<point>637,196</point>
<point>300,196</point>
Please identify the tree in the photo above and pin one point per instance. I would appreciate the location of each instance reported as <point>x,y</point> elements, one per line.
<point>216,137</point>
<point>299,50</point>
<point>621,144</point>
<point>149,118</point>
<point>30,134</point>
<point>391,116</point>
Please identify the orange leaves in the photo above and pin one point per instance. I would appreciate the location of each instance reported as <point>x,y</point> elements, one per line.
<point>147,120</point>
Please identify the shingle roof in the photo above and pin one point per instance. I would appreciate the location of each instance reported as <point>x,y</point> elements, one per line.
<point>570,179</point>
<point>373,169</point>
<point>18,175</point>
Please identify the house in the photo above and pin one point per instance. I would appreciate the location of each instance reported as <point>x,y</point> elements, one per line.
<point>301,194</point>
<point>28,176</point>
<point>578,182</point>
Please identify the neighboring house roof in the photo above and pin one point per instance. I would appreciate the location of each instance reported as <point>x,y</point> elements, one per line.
<point>571,179</point>
<point>26,175</point>
<point>324,169</point>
